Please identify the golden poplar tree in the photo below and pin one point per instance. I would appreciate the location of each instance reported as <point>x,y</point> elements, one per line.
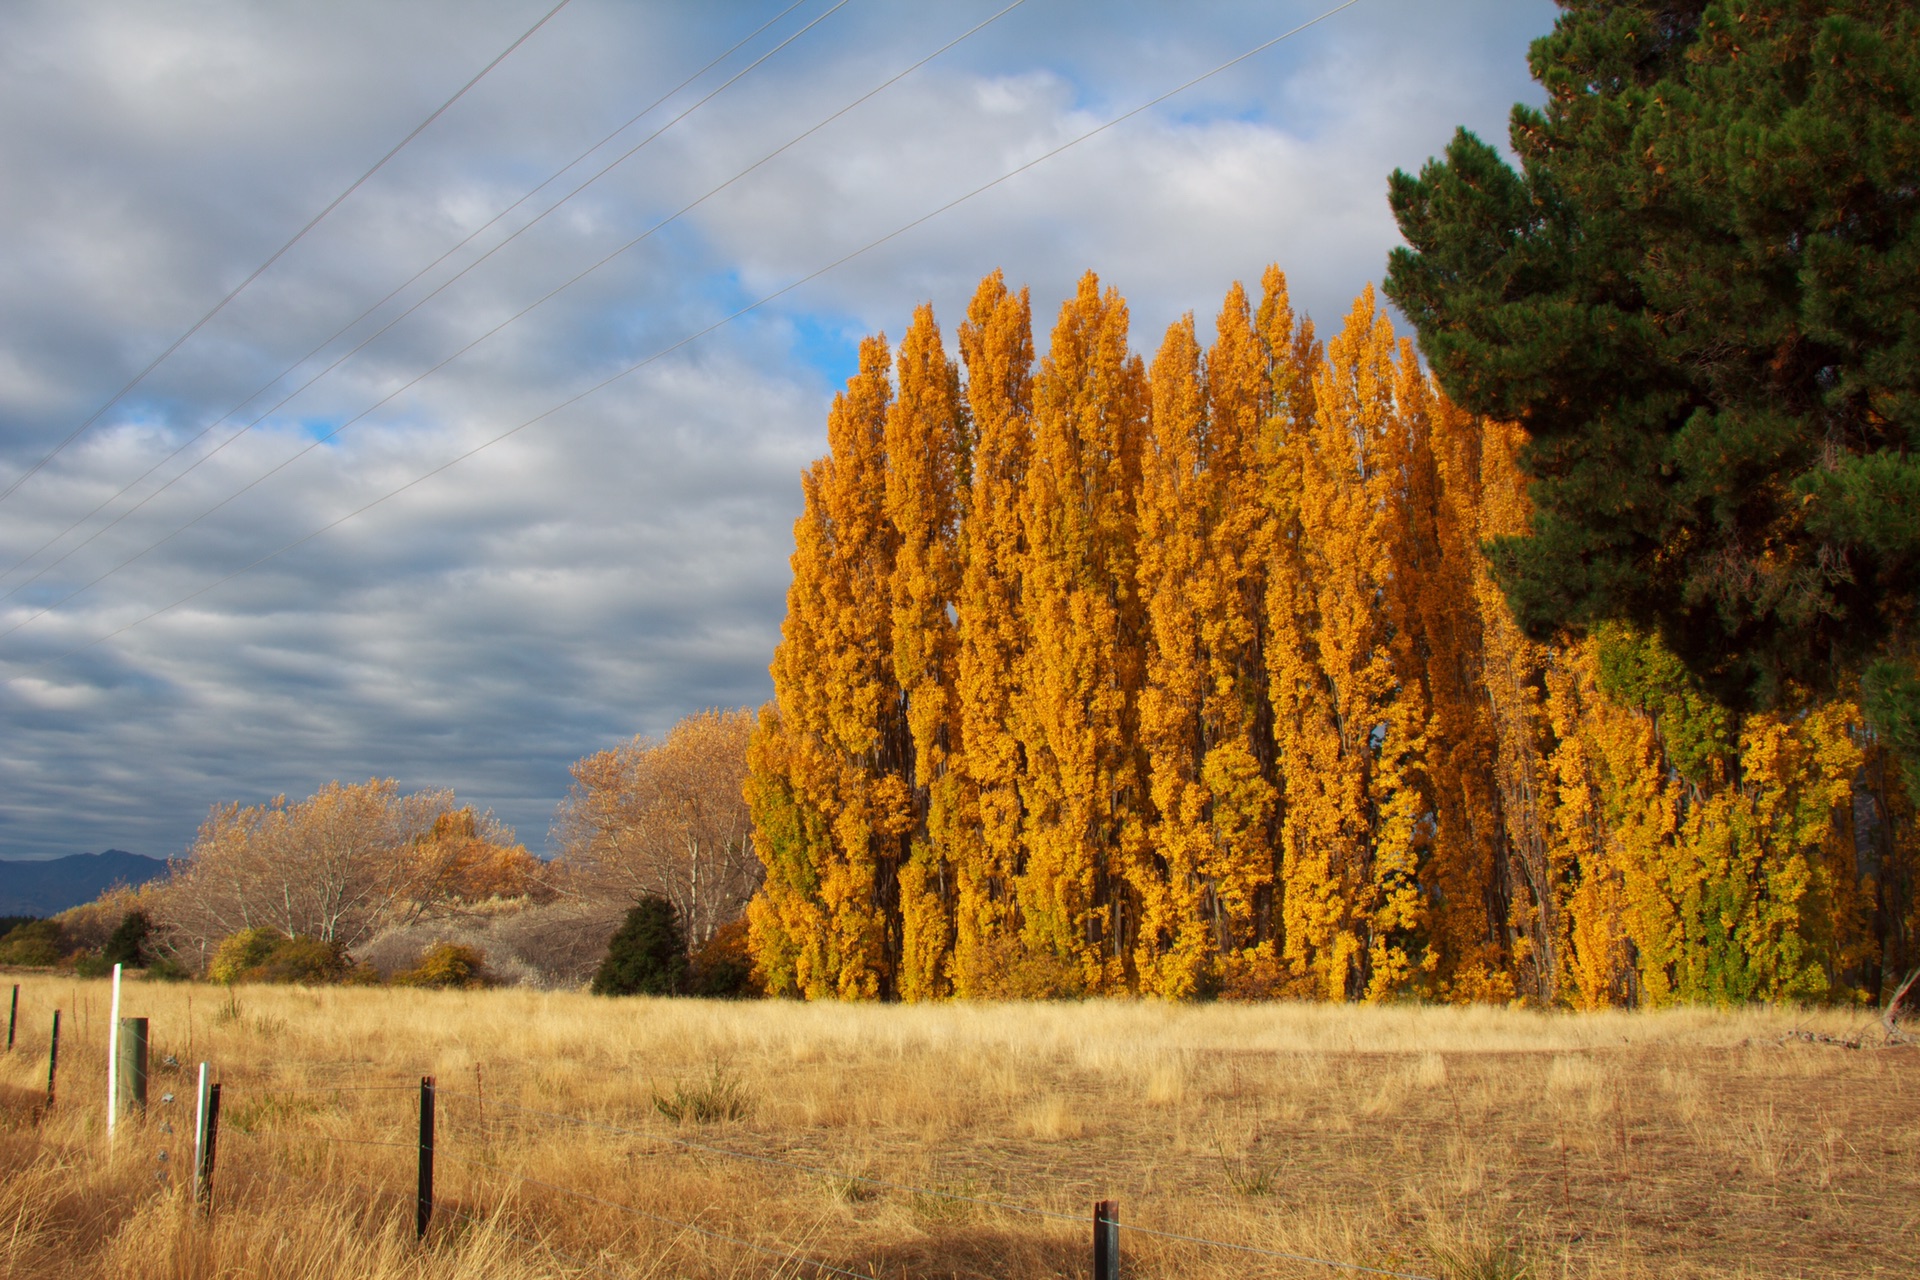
<point>1176,945</point>
<point>1082,783</point>
<point>845,748</point>
<point>1204,552</point>
<point>1439,644</point>
<point>1532,862</point>
<point>927,457</point>
<point>1349,732</point>
<point>996,344</point>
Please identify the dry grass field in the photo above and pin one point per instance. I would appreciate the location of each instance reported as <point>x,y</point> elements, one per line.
<point>1475,1143</point>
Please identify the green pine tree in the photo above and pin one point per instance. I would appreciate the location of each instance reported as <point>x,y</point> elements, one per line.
<point>1697,296</point>
<point>648,956</point>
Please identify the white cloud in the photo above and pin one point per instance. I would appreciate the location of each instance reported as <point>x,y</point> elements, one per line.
<point>623,562</point>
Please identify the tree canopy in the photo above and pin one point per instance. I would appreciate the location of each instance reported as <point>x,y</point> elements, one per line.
<point>1697,296</point>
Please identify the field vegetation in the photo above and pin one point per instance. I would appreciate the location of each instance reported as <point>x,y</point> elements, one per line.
<point>582,1136</point>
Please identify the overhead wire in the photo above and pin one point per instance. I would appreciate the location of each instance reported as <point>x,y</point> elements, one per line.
<point>279,253</point>
<point>679,213</point>
<point>663,352</point>
<point>394,293</point>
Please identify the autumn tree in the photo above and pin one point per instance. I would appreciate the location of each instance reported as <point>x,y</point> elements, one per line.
<point>1349,726</point>
<point>1207,888</point>
<point>996,345</point>
<point>832,794</point>
<point>1083,786</point>
<point>927,450</point>
<point>667,819</point>
<point>337,867</point>
<point>1204,682</point>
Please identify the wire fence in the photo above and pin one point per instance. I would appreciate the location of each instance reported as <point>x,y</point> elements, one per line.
<point>431,1144</point>
<point>256,1114</point>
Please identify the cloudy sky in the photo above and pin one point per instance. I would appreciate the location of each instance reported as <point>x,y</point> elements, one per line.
<point>209,594</point>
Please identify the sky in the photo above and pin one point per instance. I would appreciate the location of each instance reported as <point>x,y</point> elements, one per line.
<point>363,522</point>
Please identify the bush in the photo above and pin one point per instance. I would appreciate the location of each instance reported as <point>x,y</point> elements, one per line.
<point>307,961</point>
<point>128,945</point>
<point>724,968</point>
<point>37,943</point>
<point>262,954</point>
<point>448,964</point>
<point>648,956</point>
<point>242,952</point>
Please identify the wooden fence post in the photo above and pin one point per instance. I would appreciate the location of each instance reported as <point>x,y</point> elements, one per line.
<point>1106,1240</point>
<point>130,1066</point>
<point>53,1059</point>
<point>13,1016</point>
<point>206,1140</point>
<point>423,1197</point>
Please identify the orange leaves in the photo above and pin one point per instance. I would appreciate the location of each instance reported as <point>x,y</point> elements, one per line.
<point>666,819</point>
<point>1094,680</point>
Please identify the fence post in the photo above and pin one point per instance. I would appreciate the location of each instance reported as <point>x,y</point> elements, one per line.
<point>113,1058</point>
<point>13,1016</point>
<point>423,1198</point>
<point>206,1140</point>
<point>1106,1240</point>
<point>130,1067</point>
<point>53,1059</point>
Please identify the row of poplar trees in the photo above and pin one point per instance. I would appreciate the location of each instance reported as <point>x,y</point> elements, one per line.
<point>1192,679</point>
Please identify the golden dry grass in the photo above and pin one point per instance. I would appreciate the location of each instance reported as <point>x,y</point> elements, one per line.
<point>1439,1142</point>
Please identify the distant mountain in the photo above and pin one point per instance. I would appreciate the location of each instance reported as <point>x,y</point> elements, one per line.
<point>43,888</point>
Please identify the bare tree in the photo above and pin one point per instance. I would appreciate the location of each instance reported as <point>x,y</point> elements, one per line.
<point>667,818</point>
<point>338,866</point>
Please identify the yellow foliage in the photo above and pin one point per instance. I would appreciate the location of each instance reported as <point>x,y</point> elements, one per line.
<point>1200,683</point>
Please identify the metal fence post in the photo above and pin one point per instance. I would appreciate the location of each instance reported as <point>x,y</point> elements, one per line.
<point>53,1059</point>
<point>206,1141</point>
<point>1106,1240</point>
<point>13,1016</point>
<point>423,1197</point>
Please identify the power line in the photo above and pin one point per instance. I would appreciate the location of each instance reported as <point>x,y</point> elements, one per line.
<point>516,316</point>
<point>663,352</point>
<point>260,270</point>
<point>342,330</point>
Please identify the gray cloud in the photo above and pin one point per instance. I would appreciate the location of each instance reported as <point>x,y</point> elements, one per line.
<point>624,561</point>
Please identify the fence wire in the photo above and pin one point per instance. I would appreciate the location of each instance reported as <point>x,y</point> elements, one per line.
<point>687,1144</point>
<point>817,1170</point>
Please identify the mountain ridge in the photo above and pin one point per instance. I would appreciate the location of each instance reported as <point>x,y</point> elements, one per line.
<point>44,887</point>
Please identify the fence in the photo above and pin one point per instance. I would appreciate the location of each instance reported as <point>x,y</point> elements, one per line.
<point>428,1137</point>
<point>436,1144</point>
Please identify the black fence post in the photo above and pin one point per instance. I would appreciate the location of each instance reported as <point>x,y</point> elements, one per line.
<point>1106,1240</point>
<point>423,1198</point>
<point>13,1016</point>
<point>53,1059</point>
<point>203,1170</point>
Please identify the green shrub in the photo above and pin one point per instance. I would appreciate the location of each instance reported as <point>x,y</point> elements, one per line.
<point>242,952</point>
<point>448,964</point>
<point>128,945</point>
<point>37,943</point>
<point>307,961</point>
<point>648,956</point>
<point>262,954</point>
